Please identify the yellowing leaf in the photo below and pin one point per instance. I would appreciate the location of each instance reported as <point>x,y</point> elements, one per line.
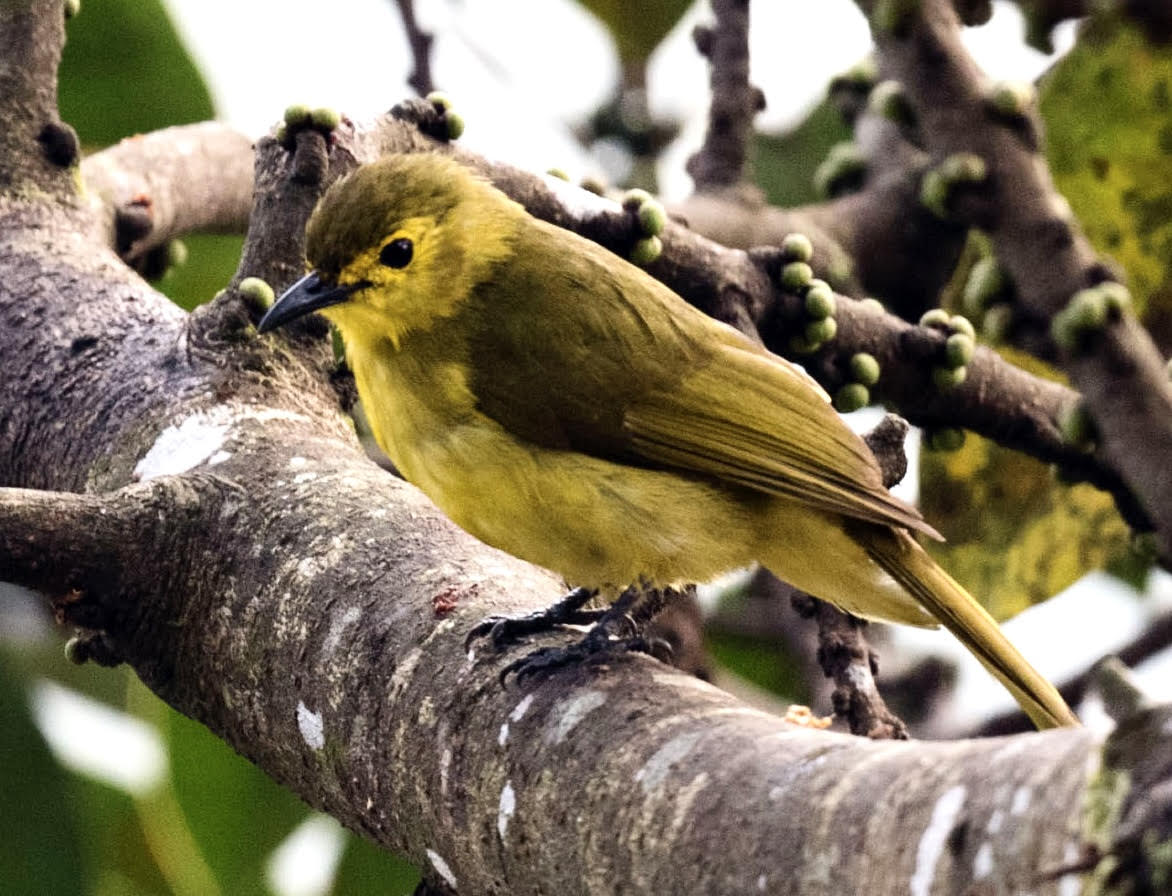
<point>1108,112</point>
<point>1016,536</point>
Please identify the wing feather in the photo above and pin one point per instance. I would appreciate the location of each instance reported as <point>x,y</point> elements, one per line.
<point>607,361</point>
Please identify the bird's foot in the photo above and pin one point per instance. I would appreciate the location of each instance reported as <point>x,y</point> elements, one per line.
<point>548,660</point>
<point>616,632</point>
<point>507,630</point>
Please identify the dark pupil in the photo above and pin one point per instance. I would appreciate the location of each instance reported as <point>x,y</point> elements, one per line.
<point>396,253</point>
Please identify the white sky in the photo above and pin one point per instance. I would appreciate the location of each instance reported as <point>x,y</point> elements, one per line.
<point>522,71</point>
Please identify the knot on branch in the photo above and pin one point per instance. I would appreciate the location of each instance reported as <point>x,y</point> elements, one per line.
<point>59,143</point>
<point>886,442</point>
<point>93,646</point>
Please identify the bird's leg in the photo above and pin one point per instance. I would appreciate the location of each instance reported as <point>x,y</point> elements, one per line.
<point>506,630</point>
<point>618,630</point>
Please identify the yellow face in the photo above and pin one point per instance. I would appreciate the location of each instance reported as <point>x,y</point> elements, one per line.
<point>401,291</point>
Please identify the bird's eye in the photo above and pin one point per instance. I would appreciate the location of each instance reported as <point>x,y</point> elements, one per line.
<point>397,253</point>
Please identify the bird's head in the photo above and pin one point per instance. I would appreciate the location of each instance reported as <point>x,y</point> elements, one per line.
<point>398,245</point>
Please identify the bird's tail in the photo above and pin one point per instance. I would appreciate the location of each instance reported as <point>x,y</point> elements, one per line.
<point>905,561</point>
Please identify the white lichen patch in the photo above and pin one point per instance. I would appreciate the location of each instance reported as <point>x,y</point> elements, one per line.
<point>762,883</point>
<point>685,798</point>
<point>218,458</point>
<point>516,715</point>
<point>1021,801</point>
<point>404,672</point>
<point>297,462</point>
<point>656,769</point>
<point>182,447</point>
<point>1071,884</point>
<point>307,476</point>
<point>308,567</point>
<point>322,558</point>
<point>445,766</point>
<point>200,437</point>
<point>995,821</point>
<point>566,715</point>
<point>521,708</point>
<point>983,861</point>
<point>508,805</point>
<point>934,838</point>
<point>580,203</point>
<point>441,868</point>
<point>311,726</point>
<point>338,626</point>
<point>426,715</point>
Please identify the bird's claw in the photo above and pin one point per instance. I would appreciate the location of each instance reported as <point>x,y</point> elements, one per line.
<point>547,660</point>
<point>507,630</point>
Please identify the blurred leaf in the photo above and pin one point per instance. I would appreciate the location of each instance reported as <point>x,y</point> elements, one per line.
<point>117,858</point>
<point>40,854</point>
<point>784,164</point>
<point>1108,112</point>
<point>211,262</point>
<point>366,869</point>
<point>1016,536</point>
<point>236,813</point>
<point>765,665</point>
<point>637,29</point>
<point>125,71</point>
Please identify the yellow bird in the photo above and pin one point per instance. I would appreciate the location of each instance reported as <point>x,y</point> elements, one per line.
<point>566,407</point>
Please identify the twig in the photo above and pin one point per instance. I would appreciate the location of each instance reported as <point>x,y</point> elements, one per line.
<point>1119,371</point>
<point>721,160</point>
<point>843,652</point>
<point>420,42</point>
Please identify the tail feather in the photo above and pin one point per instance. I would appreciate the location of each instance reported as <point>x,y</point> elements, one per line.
<point>897,552</point>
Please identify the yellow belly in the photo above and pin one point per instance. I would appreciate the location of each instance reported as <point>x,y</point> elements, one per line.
<point>607,525</point>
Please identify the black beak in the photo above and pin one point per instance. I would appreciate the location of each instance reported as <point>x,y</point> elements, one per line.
<point>310,293</point>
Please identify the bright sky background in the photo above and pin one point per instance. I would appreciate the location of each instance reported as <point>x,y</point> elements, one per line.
<point>522,71</point>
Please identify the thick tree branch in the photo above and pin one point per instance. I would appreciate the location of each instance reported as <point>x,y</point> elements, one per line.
<point>36,148</point>
<point>317,624</point>
<point>1119,371</point>
<point>155,187</point>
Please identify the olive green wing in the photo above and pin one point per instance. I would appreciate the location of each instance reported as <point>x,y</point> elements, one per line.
<point>573,350</point>
<point>754,420</point>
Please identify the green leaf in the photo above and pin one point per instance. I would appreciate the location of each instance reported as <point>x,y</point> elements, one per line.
<point>40,852</point>
<point>211,262</point>
<point>1108,112</point>
<point>637,30</point>
<point>784,164</point>
<point>125,71</point>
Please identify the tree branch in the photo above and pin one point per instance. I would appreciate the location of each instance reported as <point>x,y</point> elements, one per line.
<point>36,147</point>
<point>158,186</point>
<point>720,162</point>
<point>1119,372</point>
<point>420,42</point>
